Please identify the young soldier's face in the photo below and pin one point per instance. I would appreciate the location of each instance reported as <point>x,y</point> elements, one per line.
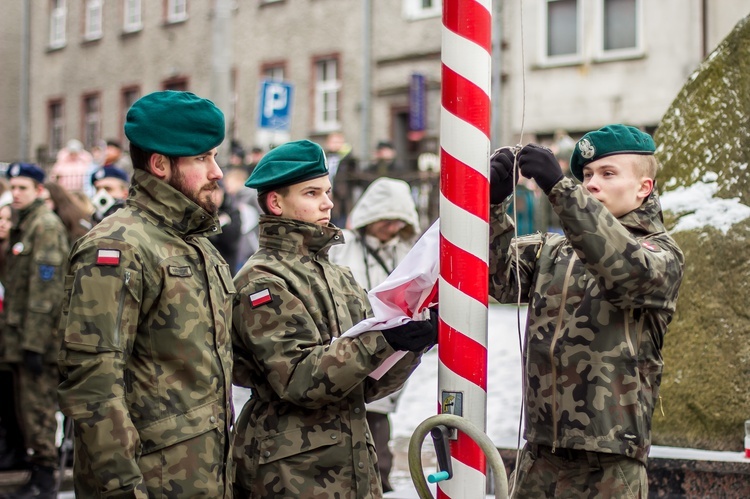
<point>5,222</point>
<point>114,187</point>
<point>308,201</point>
<point>25,191</point>
<point>617,182</point>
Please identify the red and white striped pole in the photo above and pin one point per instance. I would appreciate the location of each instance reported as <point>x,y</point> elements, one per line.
<point>464,233</point>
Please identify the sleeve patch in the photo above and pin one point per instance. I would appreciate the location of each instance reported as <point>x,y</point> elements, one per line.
<point>650,246</point>
<point>108,257</point>
<point>260,297</point>
<point>47,272</point>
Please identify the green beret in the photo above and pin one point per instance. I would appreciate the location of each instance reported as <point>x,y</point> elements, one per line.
<point>175,124</point>
<point>608,141</point>
<point>288,164</point>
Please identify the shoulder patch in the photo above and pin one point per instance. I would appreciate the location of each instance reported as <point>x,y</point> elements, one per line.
<point>260,297</point>
<point>650,246</point>
<point>47,272</point>
<point>108,257</point>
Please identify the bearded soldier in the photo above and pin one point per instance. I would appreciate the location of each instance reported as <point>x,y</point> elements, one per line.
<point>146,353</point>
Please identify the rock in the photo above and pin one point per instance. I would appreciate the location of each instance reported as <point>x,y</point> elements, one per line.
<point>704,147</point>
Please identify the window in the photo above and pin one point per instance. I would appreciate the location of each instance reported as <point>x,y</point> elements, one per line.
<point>93,22</point>
<point>420,9</point>
<point>178,83</point>
<point>132,16</point>
<point>128,96</point>
<point>562,29</point>
<point>620,33</point>
<point>273,72</point>
<point>57,24</point>
<point>91,120</point>
<point>327,86</point>
<point>176,11</point>
<point>55,127</point>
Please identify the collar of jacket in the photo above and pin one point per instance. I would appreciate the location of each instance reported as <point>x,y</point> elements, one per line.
<point>647,218</point>
<point>23,214</point>
<point>295,236</point>
<point>170,207</point>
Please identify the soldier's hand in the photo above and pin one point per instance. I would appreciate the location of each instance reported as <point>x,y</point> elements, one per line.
<point>33,362</point>
<point>414,336</point>
<point>540,164</point>
<point>501,175</point>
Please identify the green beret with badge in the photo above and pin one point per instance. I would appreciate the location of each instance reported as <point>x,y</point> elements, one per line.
<point>608,141</point>
<point>176,124</point>
<point>288,164</point>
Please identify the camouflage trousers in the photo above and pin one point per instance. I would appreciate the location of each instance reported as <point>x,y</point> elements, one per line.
<point>577,474</point>
<point>36,404</point>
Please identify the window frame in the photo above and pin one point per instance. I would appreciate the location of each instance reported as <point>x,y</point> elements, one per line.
<point>90,8</point>
<point>413,10</point>
<point>600,53</point>
<point>176,11</point>
<point>55,126</point>
<point>268,69</point>
<point>125,105</point>
<point>564,59</point>
<point>321,90</point>
<point>129,7</point>
<point>57,24</point>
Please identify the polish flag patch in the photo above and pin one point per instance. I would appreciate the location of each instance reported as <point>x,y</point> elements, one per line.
<point>108,257</point>
<point>260,298</point>
<point>650,246</point>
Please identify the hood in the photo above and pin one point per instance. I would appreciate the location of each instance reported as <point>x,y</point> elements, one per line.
<point>385,199</point>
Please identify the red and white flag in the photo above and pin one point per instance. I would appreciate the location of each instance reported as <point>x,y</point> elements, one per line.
<point>260,297</point>
<point>108,257</point>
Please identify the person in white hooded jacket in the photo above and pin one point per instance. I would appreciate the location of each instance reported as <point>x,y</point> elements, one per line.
<point>382,227</point>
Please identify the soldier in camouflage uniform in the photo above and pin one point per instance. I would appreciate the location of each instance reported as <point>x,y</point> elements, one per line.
<point>146,354</point>
<point>36,264</point>
<point>600,298</point>
<point>303,433</point>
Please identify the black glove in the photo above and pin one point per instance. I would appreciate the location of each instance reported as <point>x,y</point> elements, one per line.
<point>33,362</point>
<point>413,336</point>
<point>539,163</point>
<point>501,175</point>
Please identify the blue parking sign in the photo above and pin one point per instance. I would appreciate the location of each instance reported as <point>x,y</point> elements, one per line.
<point>275,105</point>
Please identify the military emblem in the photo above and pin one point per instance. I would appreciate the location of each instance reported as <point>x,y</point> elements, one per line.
<point>260,298</point>
<point>15,170</point>
<point>108,257</point>
<point>17,248</point>
<point>650,246</point>
<point>587,148</point>
<point>46,272</point>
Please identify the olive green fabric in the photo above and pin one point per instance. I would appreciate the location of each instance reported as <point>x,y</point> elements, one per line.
<point>175,124</point>
<point>607,141</point>
<point>288,164</point>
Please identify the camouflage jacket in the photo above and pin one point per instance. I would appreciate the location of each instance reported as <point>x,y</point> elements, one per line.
<point>35,269</point>
<point>146,355</point>
<point>600,299</point>
<point>303,433</point>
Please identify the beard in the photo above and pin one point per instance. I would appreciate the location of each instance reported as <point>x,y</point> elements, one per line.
<point>202,196</point>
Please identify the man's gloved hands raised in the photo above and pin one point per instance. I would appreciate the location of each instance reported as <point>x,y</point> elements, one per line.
<point>414,336</point>
<point>539,163</point>
<point>33,362</point>
<point>501,175</point>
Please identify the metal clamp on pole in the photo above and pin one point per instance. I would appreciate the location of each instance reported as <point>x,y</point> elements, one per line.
<point>441,439</point>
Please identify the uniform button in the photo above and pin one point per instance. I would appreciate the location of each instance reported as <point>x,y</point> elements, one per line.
<point>367,435</point>
<point>333,437</point>
<point>212,419</point>
<point>336,238</point>
<point>356,410</point>
<point>267,454</point>
<point>360,465</point>
<point>214,228</point>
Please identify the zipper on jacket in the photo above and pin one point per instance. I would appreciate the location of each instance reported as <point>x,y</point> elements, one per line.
<point>555,337</point>
<point>116,335</point>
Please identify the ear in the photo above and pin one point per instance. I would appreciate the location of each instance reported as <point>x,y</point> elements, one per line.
<point>647,185</point>
<point>273,200</point>
<point>160,166</point>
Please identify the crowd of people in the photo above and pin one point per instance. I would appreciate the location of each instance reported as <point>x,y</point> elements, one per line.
<point>139,290</point>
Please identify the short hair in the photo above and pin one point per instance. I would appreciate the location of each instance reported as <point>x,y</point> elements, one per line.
<point>263,198</point>
<point>140,157</point>
<point>647,165</point>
